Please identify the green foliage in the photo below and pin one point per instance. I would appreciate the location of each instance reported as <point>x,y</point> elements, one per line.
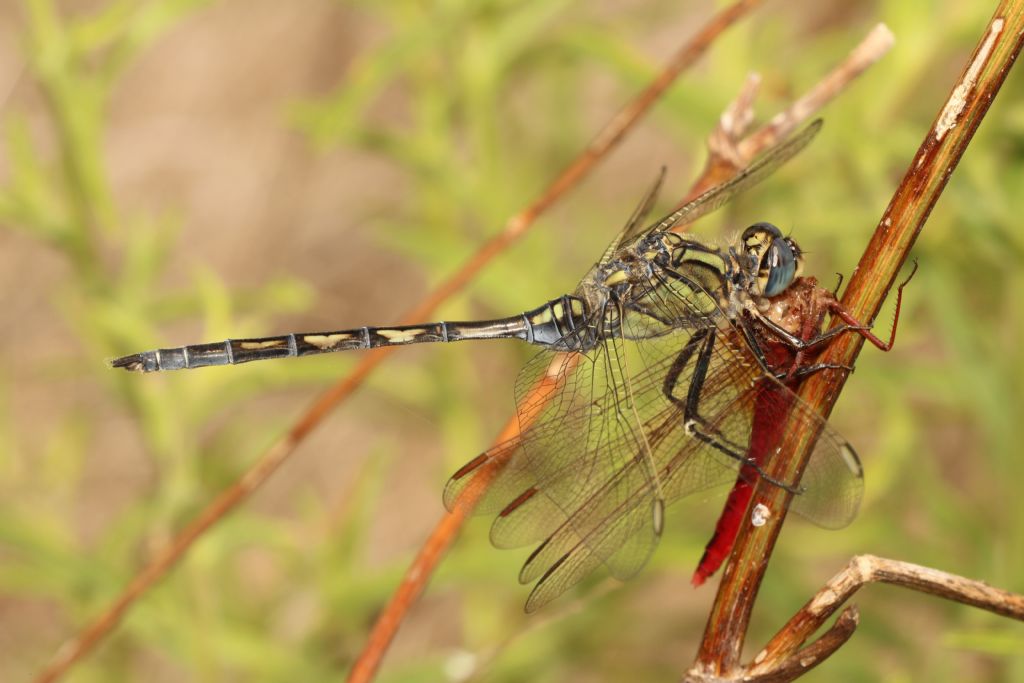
<point>447,117</point>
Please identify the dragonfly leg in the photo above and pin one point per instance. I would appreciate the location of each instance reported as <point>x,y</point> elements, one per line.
<point>755,346</point>
<point>680,363</point>
<point>851,324</point>
<point>800,372</point>
<point>798,344</point>
<point>865,331</point>
<point>695,425</point>
<point>835,292</point>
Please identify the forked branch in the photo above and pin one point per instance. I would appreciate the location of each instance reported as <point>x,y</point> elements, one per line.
<point>785,646</point>
<point>730,146</point>
<point>797,664</point>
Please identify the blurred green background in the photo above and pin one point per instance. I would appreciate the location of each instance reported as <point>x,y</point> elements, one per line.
<point>176,171</point>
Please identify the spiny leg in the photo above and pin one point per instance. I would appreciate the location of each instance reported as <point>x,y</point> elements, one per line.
<point>849,324</point>
<point>840,312</point>
<point>800,372</point>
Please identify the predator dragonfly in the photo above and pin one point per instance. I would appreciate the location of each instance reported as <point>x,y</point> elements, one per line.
<point>648,389</point>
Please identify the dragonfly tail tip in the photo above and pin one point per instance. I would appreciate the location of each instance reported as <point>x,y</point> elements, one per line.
<point>132,363</point>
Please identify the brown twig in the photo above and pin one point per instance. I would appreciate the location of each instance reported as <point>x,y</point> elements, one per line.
<point>865,569</point>
<point>902,221</point>
<point>731,149</point>
<point>281,450</point>
<point>875,44</point>
<point>798,663</point>
<point>425,563</point>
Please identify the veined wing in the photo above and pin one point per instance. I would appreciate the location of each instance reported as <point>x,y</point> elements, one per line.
<point>732,388</point>
<point>570,479</point>
<point>574,409</point>
<point>581,482</point>
<point>612,526</point>
<point>721,194</point>
<point>714,198</point>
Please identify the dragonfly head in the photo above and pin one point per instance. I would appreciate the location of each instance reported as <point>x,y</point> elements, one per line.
<point>774,259</point>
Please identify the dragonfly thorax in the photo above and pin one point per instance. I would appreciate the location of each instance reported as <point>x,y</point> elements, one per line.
<point>630,267</point>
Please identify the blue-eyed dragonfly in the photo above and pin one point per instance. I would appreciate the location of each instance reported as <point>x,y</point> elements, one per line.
<point>659,367</point>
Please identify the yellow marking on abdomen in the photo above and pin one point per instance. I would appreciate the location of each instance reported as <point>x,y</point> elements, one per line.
<point>401,336</point>
<point>325,341</point>
<point>253,345</point>
<point>542,318</point>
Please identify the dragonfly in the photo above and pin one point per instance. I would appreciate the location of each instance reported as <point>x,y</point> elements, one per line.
<point>661,375</point>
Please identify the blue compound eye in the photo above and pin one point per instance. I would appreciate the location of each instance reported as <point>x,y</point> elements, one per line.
<point>775,261</point>
<point>778,267</point>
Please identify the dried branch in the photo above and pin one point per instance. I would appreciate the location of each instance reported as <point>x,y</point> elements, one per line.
<point>865,569</point>
<point>782,659</point>
<point>913,200</point>
<point>799,663</point>
<point>714,172</point>
<point>730,151</point>
<point>875,44</point>
<point>77,648</point>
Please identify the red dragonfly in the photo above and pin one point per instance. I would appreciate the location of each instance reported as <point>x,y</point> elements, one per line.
<point>801,310</point>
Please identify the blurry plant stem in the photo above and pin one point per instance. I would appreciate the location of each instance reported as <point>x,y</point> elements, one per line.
<point>73,97</point>
<point>943,146</point>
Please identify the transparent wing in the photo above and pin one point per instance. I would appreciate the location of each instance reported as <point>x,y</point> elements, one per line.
<point>720,195</point>
<point>553,394</point>
<point>613,526</point>
<point>744,412</point>
<point>604,441</point>
<point>833,484</point>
